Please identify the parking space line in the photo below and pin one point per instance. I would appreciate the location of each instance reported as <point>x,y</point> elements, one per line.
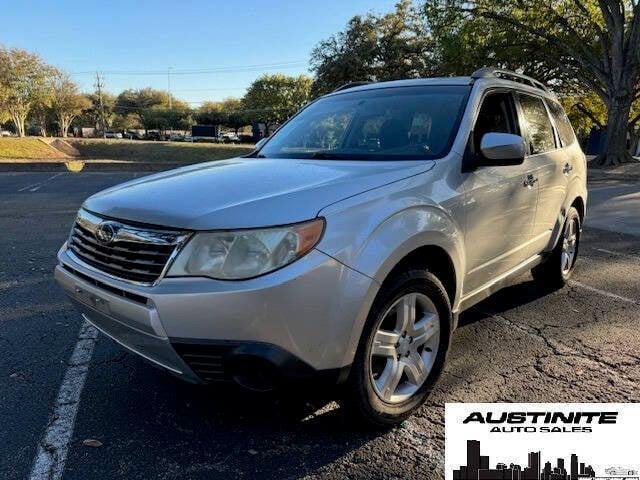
<point>604,292</point>
<point>35,186</point>
<point>52,449</point>
<point>617,254</point>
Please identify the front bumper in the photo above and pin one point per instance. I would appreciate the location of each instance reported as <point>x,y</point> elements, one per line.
<point>305,318</point>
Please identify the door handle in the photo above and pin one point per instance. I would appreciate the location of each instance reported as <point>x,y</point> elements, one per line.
<point>567,169</point>
<point>529,181</point>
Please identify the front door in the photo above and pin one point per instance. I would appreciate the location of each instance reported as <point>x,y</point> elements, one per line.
<point>546,158</point>
<point>500,202</point>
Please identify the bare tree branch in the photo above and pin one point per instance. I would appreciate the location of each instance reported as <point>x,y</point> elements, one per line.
<point>587,63</point>
<point>584,110</point>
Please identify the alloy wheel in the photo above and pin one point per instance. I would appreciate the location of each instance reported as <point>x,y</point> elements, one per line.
<point>405,347</point>
<point>569,246</point>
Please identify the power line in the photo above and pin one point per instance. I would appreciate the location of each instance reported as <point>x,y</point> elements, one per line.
<point>210,89</point>
<point>166,108</point>
<point>233,69</point>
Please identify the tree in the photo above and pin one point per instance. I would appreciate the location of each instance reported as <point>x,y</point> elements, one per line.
<point>41,115</point>
<point>66,102</point>
<point>163,118</point>
<point>24,80</point>
<point>228,112</point>
<point>211,113</point>
<point>594,44</point>
<point>236,118</point>
<point>141,103</point>
<point>272,99</point>
<point>92,115</point>
<point>375,48</point>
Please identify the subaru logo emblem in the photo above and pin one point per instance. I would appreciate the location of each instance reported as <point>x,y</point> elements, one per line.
<point>106,232</point>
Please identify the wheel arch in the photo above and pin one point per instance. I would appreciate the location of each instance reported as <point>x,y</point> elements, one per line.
<point>433,258</point>
<point>423,233</point>
<point>579,205</point>
<point>425,237</point>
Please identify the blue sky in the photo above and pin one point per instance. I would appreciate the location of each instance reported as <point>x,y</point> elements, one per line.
<point>151,36</point>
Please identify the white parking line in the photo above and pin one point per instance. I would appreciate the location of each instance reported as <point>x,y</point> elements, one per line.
<point>35,186</point>
<point>604,292</point>
<point>53,448</point>
<point>618,254</point>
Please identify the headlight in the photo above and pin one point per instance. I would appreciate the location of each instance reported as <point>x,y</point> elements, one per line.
<point>245,254</point>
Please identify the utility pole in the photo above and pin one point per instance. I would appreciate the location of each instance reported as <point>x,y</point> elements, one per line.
<point>99,86</point>
<point>169,86</point>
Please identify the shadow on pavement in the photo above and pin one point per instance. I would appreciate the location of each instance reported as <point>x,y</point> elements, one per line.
<point>506,299</point>
<point>152,425</point>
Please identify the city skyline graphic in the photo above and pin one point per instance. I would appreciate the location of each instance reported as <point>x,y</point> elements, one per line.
<point>478,467</point>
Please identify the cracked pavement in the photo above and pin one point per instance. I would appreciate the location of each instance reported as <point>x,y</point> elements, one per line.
<point>523,344</point>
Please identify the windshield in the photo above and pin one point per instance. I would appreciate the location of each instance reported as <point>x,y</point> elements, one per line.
<point>401,123</point>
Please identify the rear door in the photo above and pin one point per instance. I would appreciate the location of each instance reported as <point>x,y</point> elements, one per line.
<point>547,160</point>
<point>500,205</point>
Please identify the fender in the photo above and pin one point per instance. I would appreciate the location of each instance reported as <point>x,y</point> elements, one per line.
<point>575,188</point>
<point>386,224</point>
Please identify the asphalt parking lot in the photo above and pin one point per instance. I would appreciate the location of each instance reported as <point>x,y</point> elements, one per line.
<point>579,344</point>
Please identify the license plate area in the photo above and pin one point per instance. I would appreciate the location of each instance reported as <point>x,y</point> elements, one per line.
<point>92,300</point>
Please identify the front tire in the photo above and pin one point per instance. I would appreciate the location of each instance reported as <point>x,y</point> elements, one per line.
<point>402,350</point>
<point>556,270</point>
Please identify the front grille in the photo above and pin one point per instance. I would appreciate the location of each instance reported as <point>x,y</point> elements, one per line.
<point>126,252</point>
<point>206,361</point>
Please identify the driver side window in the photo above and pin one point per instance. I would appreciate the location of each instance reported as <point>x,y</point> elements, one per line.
<point>497,114</point>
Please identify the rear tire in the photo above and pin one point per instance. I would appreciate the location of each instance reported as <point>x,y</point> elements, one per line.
<point>556,270</point>
<point>390,382</point>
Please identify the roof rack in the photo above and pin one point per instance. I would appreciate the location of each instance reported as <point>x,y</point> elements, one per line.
<point>492,72</point>
<point>350,85</point>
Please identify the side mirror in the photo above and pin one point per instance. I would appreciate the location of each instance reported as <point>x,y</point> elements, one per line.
<point>501,149</point>
<point>261,142</point>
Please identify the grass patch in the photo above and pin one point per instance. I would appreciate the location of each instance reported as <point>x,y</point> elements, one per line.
<point>148,151</point>
<point>27,148</point>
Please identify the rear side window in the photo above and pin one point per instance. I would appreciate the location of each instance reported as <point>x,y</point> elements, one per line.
<point>537,124</point>
<point>565,131</point>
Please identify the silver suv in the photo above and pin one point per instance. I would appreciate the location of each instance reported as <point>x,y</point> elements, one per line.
<point>344,248</point>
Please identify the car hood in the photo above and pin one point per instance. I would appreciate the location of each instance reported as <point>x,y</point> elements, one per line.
<point>245,192</point>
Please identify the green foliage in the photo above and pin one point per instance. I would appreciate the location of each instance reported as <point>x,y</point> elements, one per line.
<point>375,48</point>
<point>163,118</point>
<point>152,108</point>
<point>66,102</point>
<point>271,99</point>
<point>582,48</point>
<point>211,113</point>
<point>91,115</point>
<point>228,112</point>
<point>24,81</point>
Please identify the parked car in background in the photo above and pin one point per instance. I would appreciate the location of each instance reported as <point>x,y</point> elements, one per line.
<point>155,135</point>
<point>343,249</point>
<point>112,134</point>
<point>133,135</point>
<point>5,133</point>
<point>229,138</point>
<point>176,137</point>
